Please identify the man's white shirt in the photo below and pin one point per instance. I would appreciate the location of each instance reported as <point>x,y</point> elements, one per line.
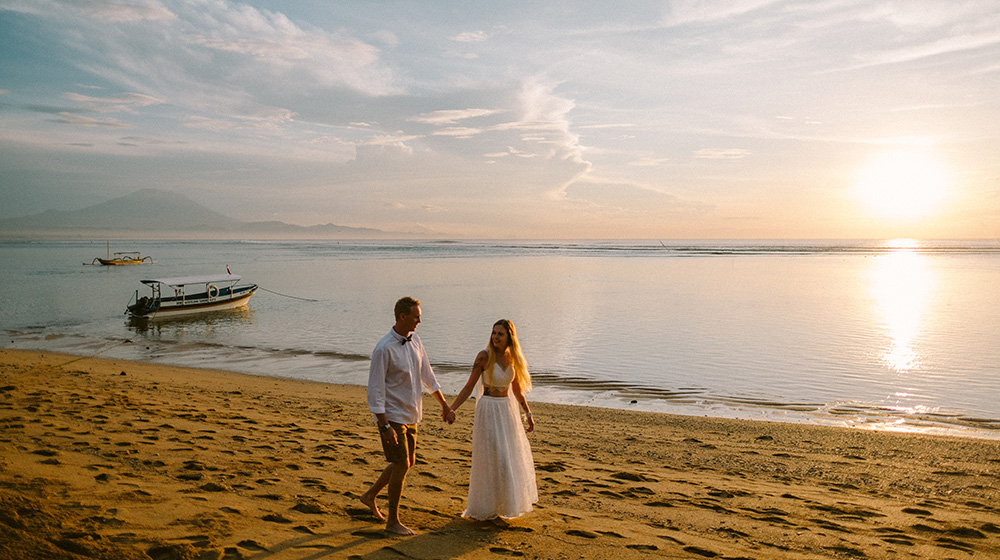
<point>399,368</point>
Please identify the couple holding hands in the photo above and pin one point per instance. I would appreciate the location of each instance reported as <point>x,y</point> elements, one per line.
<point>502,479</point>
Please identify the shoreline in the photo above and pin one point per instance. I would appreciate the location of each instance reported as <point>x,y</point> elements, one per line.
<point>122,459</point>
<point>574,393</point>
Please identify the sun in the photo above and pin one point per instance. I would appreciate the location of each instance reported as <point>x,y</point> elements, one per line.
<point>903,184</point>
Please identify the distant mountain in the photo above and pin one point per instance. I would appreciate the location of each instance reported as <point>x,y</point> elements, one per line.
<point>152,213</point>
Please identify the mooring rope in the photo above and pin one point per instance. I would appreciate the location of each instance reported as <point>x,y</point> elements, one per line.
<point>285,295</point>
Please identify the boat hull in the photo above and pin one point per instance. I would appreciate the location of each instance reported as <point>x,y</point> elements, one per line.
<point>194,305</point>
<point>116,262</point>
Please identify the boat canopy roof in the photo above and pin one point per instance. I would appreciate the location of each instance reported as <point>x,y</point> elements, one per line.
<point>183,280</point>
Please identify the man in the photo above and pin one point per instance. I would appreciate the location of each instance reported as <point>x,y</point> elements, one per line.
<point>398,369</point>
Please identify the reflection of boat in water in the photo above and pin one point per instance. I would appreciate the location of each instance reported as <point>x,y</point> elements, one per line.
<point>188,295</point>
<point>124,257</point>
<point>169,327</point>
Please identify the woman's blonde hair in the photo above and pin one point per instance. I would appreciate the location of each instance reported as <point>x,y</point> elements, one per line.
<point>517,360</point>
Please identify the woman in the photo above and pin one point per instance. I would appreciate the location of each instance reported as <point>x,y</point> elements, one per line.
<point>502,481</point>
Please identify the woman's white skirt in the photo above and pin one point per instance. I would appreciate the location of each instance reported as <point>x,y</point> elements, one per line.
<point>502,479</point>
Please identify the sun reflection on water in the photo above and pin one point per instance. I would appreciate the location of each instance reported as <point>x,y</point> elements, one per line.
<point>901,285</point>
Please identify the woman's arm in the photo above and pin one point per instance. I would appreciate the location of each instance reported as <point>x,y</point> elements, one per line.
<point>470,385</point>
<point>520,398</point>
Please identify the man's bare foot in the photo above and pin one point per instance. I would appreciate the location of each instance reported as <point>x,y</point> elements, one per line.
<point>370,502</point>
<point>398,528</point>
<point>500,522</point>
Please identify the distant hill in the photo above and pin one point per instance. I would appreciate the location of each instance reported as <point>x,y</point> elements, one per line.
<point>157,214</point>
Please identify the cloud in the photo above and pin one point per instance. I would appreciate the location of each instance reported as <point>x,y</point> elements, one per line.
<point>136,140</point>
<point>458,132</point>
<point>604,126</point>
<point>451,116</point>
<point>114,11</point>
<point>81,120</point>
<point>648,162</point>
<point>471,37</point>
<point>382,150</point>
<point>926,50</point>
<point>121,12</point>
<point>681,12</point>
<point>730,154</point>
<point>121,103</point>
<point>262,49</point>
<point>212,54</point>
<point>619,195</point>
<point>547,113</point>
<point>269,120</point>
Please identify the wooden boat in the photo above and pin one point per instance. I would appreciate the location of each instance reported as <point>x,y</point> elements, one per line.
<point>188,295</point>
<point>120,258</point>
<point>130,257</point>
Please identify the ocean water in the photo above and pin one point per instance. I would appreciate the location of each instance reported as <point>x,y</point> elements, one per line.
<point>881,335</point>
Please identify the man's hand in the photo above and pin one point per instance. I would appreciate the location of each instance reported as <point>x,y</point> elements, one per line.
<point>448,415</point>
<point>390,436</point>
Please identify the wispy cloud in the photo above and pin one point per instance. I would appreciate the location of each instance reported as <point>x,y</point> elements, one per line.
<point>471,37</point>
<point>83,120</point>
<point>713,153</point>
<point>452,116</point>
<point>121,103</point>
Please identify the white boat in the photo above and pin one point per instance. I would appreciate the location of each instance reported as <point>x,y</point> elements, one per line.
<point>188,295</point>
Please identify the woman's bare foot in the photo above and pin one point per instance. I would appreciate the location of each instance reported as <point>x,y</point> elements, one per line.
<point>500,522</point>
<point>370,502</point>
<point>398,528</point>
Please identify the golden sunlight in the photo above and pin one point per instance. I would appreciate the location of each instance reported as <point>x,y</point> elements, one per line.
<point>903,184</point>
<point>902,284</point>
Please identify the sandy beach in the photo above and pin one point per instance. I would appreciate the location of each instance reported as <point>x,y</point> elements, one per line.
<point>115,459</point>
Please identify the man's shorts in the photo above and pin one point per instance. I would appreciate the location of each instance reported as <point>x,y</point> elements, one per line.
<point>406,443</point>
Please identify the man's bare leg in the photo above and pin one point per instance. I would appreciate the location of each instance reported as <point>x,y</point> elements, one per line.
<point>396,478</point>
<point>368,498</point>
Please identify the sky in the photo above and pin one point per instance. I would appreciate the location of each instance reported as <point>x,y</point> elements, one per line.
<point>544,119</point>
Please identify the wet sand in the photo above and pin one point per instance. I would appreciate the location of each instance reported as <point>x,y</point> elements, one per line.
<point>115,459</point>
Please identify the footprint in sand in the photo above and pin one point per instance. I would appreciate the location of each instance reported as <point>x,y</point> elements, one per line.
<point>250,545</point>
<point>632,477</point>
<point>506,551</point>
<point>582,533</point>
<point>310,508</point>
<point>700,551</point>
<point>612,534</point>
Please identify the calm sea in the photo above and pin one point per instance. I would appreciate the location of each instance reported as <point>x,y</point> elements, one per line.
<point>898,336</point>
